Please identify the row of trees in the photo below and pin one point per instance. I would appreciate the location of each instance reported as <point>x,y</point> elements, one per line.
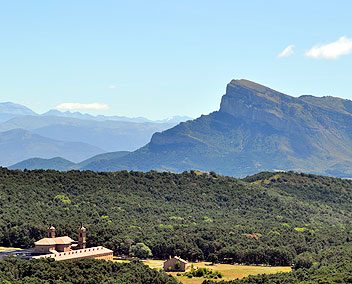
<point>89,271</point>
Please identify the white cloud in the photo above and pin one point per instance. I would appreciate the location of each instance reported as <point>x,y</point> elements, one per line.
<point>333,50</point>
<point>288,51</point>
<point>80,106</point>
<point>112,86</point>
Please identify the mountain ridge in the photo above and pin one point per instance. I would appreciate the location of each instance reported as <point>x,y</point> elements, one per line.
<point>86,116</point>
<point>256,129</point>
<point>107,135</point>
<point>10,110</point>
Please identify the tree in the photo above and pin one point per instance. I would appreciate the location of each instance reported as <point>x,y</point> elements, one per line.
<point>213,258</point>
<point>304,260</point>
<point>141,250</point>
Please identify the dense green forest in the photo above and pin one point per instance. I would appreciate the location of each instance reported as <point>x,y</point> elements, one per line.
<point>269,218</point>
<point>88,271</point>
<point>331,265</point>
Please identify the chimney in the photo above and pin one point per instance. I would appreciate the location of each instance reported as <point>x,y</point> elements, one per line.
<point>51,232</point>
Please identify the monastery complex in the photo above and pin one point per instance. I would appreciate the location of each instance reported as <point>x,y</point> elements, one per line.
<point>65,248</point>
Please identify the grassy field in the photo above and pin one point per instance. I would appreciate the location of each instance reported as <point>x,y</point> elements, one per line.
<point>8,248</point>
<point>228,271</point>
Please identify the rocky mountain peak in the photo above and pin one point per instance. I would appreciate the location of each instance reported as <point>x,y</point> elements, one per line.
<point>251,101</point>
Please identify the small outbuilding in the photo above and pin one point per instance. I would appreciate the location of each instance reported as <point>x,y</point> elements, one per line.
<point>176,263</point>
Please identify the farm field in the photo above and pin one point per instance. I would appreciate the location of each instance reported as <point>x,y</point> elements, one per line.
<point>228,271</point>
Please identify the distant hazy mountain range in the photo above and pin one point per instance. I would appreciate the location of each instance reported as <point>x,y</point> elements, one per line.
<point>61,164</point>
<point>25,134</point>
<point>174,119</point>
<point>19,144</point>
<point>256,129</point>
<point>10,110</point>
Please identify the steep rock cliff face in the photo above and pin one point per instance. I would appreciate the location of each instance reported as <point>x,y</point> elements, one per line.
<point>312,126</point>
<point>255,129</point>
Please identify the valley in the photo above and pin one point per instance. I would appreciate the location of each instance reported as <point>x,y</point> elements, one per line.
<point>175,142</point>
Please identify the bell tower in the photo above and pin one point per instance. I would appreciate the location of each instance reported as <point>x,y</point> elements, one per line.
<point>51,232</point>
<point>82,237</point>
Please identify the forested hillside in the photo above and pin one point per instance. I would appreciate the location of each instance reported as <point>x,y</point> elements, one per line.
<point>269,218</point>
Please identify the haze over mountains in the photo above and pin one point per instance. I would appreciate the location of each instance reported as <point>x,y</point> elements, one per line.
<point>19,144</point>
<point>256,129</point>
<point>25,134</point>
<point>10,110</point>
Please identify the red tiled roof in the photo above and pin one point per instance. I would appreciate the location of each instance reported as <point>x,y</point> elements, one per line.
<point>54,241</point>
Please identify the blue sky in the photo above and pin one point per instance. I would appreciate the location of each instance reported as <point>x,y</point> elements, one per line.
<point>161,58</point>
